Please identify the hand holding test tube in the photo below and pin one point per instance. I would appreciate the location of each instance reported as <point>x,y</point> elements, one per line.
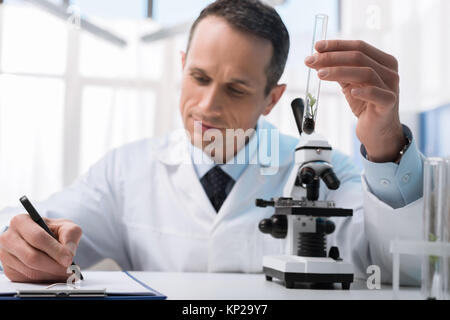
<point>370,82</point>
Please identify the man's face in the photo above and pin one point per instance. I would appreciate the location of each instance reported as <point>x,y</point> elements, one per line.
<point>224,79</point>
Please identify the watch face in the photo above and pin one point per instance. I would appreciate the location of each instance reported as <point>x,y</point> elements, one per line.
<point>405,148</point>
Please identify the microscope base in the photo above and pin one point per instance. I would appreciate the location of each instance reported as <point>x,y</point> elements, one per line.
<point>308,270</point>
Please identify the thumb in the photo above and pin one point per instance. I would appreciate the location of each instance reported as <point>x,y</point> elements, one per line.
<point>68,234</point>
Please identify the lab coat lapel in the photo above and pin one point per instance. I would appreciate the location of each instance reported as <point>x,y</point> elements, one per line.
<point>261,171</point>
<point>188,183</point>
<point>178,161</point>
<point>243,193</point>
<point>256,177</point>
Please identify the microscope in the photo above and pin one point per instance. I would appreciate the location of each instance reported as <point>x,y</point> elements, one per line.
<point>302,219</point>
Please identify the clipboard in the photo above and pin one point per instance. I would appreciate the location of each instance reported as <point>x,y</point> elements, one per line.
<point>27,294</point>
<point>61,291</point>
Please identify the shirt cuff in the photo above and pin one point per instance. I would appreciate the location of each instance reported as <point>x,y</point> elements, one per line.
<point>397,185</point>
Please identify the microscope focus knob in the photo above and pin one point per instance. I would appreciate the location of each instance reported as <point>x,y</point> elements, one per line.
<point>325,226</point>
<point>265,226</point>
<point>275,226</point>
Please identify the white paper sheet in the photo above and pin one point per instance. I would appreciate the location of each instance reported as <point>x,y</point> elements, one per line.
<point>117,283</point>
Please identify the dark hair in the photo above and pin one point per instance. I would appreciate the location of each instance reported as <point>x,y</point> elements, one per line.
<point>258,19</point>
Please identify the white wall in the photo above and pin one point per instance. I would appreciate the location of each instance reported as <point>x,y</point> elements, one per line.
<point>417,32</point>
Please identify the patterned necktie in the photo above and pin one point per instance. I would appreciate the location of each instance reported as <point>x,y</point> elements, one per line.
<point>217,185</point>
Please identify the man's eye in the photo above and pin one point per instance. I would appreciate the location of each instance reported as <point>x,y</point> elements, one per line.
<point>236,91</point>
<point>200,79</point>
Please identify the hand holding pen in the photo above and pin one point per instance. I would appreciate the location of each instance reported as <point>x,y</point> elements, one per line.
<point>30,253</point>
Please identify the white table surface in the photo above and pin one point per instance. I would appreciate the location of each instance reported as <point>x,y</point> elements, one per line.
<point>231,286</point>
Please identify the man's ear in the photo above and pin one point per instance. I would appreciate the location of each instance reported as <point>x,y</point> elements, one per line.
<point>183,59</point>
<point>273,97</point>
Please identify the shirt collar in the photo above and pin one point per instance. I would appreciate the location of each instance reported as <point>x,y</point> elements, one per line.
<point>234,167</point>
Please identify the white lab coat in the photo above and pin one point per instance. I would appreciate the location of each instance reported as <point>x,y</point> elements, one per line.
<point>143,206</point>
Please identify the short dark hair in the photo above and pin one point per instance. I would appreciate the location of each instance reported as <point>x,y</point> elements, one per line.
<point>258,19</point>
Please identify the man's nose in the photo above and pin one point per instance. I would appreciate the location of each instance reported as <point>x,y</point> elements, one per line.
<point>210,99</point>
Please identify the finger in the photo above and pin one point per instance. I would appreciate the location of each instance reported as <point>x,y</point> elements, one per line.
<point>14,275</point>
<point>38,238</point>
<point>377,96</point>
<point>67,232</point>
<point>352,75</point>
<point>353,58</point>
<point>19,272</point>
<point>30,256</point>
<point>358,45</point>
<point>357,106</point>
<point>344,85</point>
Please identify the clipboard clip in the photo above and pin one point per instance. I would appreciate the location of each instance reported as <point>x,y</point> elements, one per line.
<point>71,291</point>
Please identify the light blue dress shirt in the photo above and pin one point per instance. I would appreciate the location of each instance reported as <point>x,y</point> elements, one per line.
<point>234,167</point>
<point>396,184</point>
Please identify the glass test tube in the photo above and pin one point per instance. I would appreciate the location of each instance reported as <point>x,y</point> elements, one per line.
<point>313,84</point>
<point>433,216</point>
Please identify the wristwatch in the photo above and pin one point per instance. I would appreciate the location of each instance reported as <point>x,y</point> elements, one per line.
<point>408,141</point>
<point>403,151</point>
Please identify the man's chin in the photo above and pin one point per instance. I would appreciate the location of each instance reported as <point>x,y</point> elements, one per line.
<point>197,141</point>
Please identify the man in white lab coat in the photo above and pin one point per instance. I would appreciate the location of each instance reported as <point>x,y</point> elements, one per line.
<point>162,205</point>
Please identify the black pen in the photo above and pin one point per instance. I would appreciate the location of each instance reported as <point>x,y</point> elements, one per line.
<point>38,219</point>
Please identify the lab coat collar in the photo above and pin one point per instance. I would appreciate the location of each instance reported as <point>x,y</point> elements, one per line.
<point>234,167</point>
<point>176,156</point>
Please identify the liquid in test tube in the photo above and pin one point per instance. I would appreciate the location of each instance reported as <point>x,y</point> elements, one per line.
<point>313,84</point>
